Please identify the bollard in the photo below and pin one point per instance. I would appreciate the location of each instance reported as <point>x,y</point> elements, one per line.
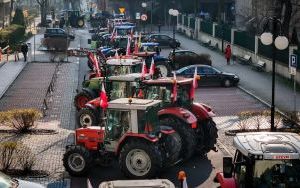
<point>182,179</point>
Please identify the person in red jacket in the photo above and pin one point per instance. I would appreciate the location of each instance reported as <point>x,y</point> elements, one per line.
<point>228,54</point>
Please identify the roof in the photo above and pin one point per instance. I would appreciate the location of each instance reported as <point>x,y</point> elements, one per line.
<point>136,104</point>
<point>127,77</point>
<point>271,145</point>
<point>169,80</point>
<point>123,61</point>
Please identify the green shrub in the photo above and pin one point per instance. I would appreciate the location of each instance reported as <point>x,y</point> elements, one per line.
<point>12,34</point>
<point>20,119</point>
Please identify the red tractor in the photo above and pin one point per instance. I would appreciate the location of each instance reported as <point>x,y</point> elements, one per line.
<point>132,134</point>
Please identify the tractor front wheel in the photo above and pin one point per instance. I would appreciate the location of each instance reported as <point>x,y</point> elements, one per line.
<point>163,68</point>
<point>140,160</point>
<point>87,117</point>
<point>77,160</point>
<point>81,99</point>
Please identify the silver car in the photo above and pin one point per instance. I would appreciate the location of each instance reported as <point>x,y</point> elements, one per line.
<point>8,182</point>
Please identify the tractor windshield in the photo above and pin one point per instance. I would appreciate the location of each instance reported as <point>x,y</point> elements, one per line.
<point>115,70</point>
<point>159,93</point>
<point>183,95</point>
<point>117,123</point>
<point>277,173</point>
<point>122,89</point>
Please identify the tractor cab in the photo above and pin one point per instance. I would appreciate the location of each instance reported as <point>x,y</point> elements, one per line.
<point>262,159</point>
<point>131,133</point>
<point>74,18</point>
<point>123,65</point>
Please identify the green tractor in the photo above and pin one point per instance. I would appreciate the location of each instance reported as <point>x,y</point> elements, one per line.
<point>73,18</point>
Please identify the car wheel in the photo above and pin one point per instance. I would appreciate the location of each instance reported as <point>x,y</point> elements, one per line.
<point>227,83</point>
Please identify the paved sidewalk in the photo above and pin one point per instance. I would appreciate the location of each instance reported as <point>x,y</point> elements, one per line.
<point>258,83</point>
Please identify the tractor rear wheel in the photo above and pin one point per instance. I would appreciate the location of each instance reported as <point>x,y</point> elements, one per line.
<point>186,133</point>
<point>87,117</point>
<point>210,135</point>
<point>140,160</point>
<point>77,160</point>
<point>81,99</point>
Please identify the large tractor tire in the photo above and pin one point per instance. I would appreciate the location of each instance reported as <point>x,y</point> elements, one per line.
<point>87,117</point>
<point>77,160</point>
<point>210,135</point>
<point>140,160</point>
<point>81,99</point>
<point>80,22</point>
<point>171,145</point>
<point>163,68</point>
<point>186,133</point>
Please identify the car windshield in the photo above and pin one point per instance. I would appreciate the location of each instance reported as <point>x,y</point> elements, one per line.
<point>158,93</point>
<point>277,173</point>
<point>6,181</point>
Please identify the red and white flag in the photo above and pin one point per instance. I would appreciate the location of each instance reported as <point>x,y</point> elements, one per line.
<point>116,54</point>
<point>152,68</point>
<point>103,98</point>
<point>195,84</point>
<point>128,45</point>
<point>144,70</point>
<point>174,93</point>
<point>136,46</point>
<point>113,35</point>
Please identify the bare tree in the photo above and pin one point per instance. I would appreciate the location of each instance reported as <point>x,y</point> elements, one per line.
<point>283,10</point>
<point>43,6</point>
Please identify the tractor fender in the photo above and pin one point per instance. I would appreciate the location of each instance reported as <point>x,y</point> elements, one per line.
<point>202,111</point>
<point>128,136</point>
<point>225,182</point>
<point>181,113</point>
<point>93,104</point>
<point>93,93</point>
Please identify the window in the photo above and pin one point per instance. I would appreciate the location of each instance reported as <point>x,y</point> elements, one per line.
<point>118,123</point>
<point>59,31</point>
<point>189,71</point>
<point>164,37</point>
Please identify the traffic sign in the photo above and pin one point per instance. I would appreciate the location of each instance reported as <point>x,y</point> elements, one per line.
<point>144,17</point>
<point>293,60</point>
<point>138,16</point>
<point>122,10</point>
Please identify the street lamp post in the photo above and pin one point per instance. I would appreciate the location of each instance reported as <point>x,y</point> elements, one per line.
<point>144,5</point>
<point>173,12</point>
<point>278,42</point>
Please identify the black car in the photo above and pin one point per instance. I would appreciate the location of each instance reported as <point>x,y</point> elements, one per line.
<point>209,76</point>
<point>57,33</point>
<point>185,58</point>
<point>163,40</point>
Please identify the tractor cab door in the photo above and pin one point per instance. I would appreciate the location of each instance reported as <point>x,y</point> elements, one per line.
<point>243,170</point>
<point>118,123</point>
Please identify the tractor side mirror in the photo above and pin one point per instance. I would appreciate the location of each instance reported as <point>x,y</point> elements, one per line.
<point>227,167</point>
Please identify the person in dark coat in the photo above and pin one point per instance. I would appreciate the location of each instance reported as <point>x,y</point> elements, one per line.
<point>24,50</point>
<point>228,54</point>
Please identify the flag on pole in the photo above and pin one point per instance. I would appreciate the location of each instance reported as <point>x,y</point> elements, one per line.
<point>174,93</point>
<point>195,84</point>
<point>144,70</point>
<point>140,94</point>
<point>136,47</point>
<point>113,35</point>
<point>103,98</point>
<point>128,46</point>
<point>152,67</point>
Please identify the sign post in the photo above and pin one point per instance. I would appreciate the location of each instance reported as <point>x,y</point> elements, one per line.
<point>144,19</point>
<point>293,71</point>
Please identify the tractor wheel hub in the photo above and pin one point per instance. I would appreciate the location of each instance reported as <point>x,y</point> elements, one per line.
<point>138,162</point>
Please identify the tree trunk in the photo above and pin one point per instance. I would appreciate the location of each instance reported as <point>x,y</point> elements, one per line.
<point>43,15</point>
<point>11,10</point>
<point>287,17</point>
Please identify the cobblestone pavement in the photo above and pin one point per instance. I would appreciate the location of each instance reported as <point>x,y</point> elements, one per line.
<point>49,148</point>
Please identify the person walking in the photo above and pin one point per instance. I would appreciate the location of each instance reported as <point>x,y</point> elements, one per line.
<point>24,50</point>
<point>228,54</point>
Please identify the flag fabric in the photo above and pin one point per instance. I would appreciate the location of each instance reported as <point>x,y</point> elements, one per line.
<point>144,70</point>
<point>136,47</point>
<point>152,67</point>
<point>103,98</point>
<point>195,85</point>
<point>140,94</point>
<point>174,93</point>
<point>96,65</point>
<point>113,35</point>
<point>128,46</point>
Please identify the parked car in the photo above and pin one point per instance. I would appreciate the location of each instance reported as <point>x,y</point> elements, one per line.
<point>8,182</point>
<point>57,32</point>
<point>209,76</point>
<point>185,58</point>
<point>163,40</point>
<point>49,19</point>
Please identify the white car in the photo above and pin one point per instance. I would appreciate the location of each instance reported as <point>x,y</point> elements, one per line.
<point>8,182</point>
<point>49,19</point>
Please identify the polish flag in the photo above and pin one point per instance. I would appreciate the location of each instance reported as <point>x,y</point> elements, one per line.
<point>128,46</point>
<point>136,47</point>
<point>140,94</point>
<point>152,68</point>
<point>195,84</point>
<point>144,70</point>
<point>103,98</point>
<point>113,35</point>
<point>174,93</point>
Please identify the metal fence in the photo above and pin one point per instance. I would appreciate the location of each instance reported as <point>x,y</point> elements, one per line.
<point>192,23</point>
<point>245,40</point>
<point>206,27</point>
<point>281,55</point>
<point>223,31</point>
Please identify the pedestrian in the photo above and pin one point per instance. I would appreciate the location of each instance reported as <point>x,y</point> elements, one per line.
<point>24,50</point>
<point>228,54</point>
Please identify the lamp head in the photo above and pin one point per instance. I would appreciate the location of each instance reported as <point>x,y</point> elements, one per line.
<point>281,42</point>
<point>266,38</point>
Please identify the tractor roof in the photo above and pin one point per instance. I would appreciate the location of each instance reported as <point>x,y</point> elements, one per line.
<point>268,145</point>
<point>123,61</point>
<point>136,104</point>
<point>128,77</point>
<point>169,81</point>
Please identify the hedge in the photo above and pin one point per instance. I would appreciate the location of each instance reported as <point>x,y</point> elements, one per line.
<point>12,34</point>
